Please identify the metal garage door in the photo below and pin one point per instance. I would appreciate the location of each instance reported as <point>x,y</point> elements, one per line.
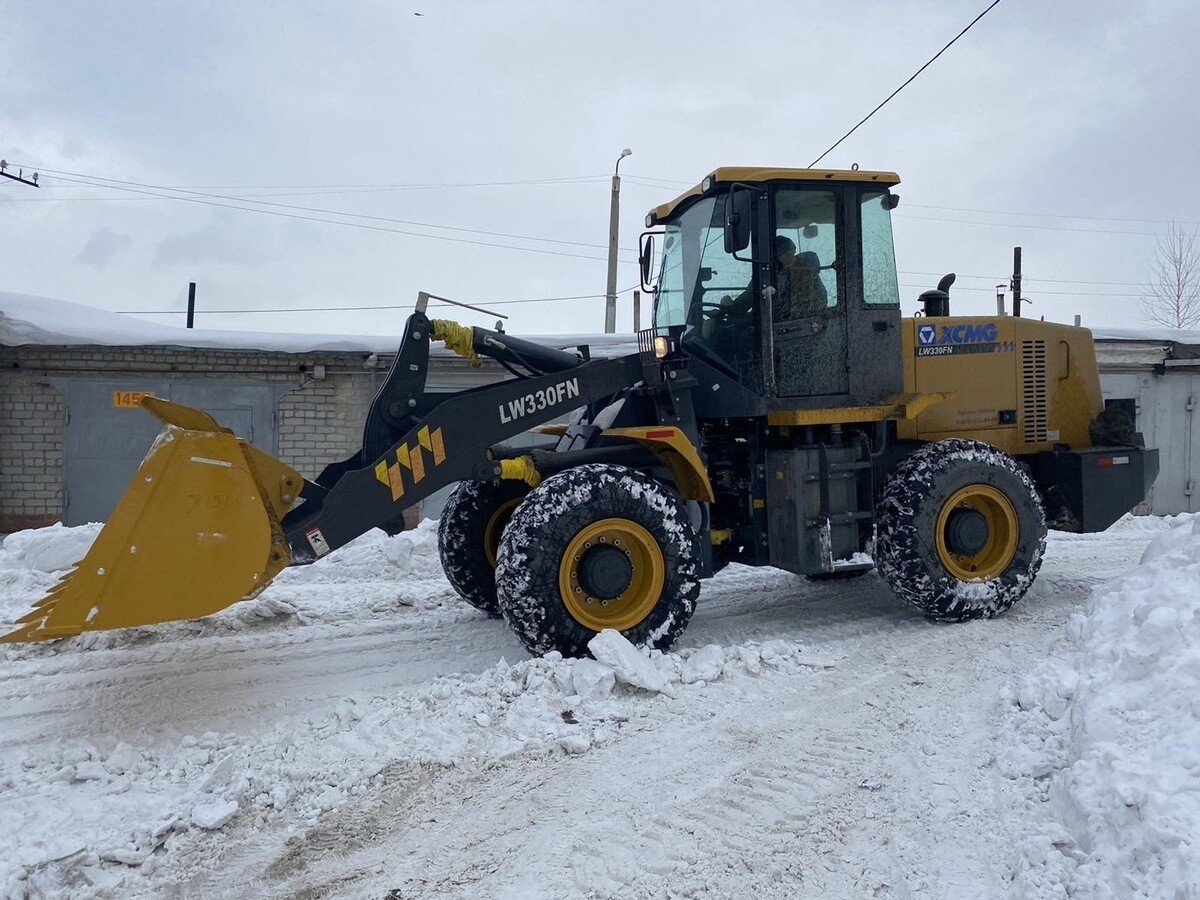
<point>107,436</point>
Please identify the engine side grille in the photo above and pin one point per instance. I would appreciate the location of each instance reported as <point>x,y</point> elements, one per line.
<point>1033,391</point>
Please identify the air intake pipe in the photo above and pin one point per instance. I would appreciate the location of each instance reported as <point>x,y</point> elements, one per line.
<point>937,301</point>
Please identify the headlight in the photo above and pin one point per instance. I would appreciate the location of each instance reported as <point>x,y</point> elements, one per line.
<point>661,347</point>
<point>706,184</point>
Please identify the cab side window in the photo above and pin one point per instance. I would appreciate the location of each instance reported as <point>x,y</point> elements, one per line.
<point>880,286</point>
<point>805,253</point>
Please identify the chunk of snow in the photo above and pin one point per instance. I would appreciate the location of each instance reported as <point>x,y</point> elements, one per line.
<point>126,856</point>
<point>52,549</point>
<point>213,815</point>
<point>219,777</point>
<point>706,664</point>
<point>592,679</point>
<point>575,743</point>
<point>629,664</point>
<point>92,770</point>
<point>122,759</point>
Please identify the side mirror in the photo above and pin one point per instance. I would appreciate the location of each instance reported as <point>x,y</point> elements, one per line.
<point>646,259</point>
<point>891,201</point>
<point>737,219</point>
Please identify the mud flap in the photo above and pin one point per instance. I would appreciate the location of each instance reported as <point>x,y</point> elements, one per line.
<point>197,530</point>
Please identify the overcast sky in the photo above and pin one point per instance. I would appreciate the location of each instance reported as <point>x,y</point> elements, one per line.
<point>1047,109</point>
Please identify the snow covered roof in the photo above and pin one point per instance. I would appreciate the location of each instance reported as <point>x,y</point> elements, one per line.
<point>27,320</point>
<point>43,321</point>
<point>1147,335</point>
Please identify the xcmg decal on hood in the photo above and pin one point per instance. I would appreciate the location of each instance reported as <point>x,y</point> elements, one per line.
<point>936,339</point>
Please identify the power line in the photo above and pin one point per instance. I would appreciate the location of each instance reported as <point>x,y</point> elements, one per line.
<point>361,225</point>
<point>318,190</point>
<point>1025,225</point>
<point>906,84</point>
<point>1025,278</point>
<point>1035,292</point>
<point>391,306</point>
<point>117,184</point>
<point>997,212</point>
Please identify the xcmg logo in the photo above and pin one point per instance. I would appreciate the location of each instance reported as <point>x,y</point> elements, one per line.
<point>935,339</point>
<point>929,335</point>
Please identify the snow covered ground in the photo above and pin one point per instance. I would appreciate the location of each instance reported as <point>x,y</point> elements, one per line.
<point>357,732</point>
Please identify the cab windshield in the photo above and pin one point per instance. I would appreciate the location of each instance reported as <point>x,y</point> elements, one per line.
<point>705,289</point>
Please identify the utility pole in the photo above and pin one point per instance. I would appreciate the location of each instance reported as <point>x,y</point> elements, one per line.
<point>191,304</point>
<point>20,176</point>
<point>610,295</point>
<point>637,311</point>
<point>1016,281</point>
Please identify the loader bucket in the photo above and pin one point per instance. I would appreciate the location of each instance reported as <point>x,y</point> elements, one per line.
<point>197,530</point>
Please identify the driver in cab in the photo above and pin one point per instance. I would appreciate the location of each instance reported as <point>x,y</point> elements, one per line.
<point>799,291</point>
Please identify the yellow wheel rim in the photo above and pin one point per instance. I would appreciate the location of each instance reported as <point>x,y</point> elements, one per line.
<point>495,528</point>
<point>646,578</point>
<point>1000,546</point>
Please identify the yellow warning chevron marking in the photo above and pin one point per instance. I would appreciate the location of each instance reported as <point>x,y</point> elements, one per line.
<point>418,465</point>
<point>397,483</point>
<point>402,456</point>
<point>381,471</point>
<point>423,438</point>
<point>439,451</point>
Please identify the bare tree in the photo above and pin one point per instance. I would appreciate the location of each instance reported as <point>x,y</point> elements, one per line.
<point>1173,292</point>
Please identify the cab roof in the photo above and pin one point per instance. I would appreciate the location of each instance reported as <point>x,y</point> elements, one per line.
<point>754,174</point>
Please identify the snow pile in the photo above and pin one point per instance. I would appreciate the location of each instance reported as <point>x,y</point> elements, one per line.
<point>93,813</point>
<point>374,572</point>
<point>1113,741</point>
<point>53,549</point>
<point>376,555</point>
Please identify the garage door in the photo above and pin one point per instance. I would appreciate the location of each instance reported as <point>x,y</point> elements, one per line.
<point>107,435</point>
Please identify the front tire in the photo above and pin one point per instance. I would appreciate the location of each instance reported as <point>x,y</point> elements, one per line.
<point>597,547</point>
<point>961,531</point>
<point>469,533</point>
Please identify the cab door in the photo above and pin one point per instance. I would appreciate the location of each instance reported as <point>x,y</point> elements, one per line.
<point>808,308</point>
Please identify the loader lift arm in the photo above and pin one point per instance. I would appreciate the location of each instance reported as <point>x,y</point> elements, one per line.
<point>210,519</point>
<point>449,443</point>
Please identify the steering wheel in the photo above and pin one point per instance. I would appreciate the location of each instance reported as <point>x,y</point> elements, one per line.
<point>722,315</point>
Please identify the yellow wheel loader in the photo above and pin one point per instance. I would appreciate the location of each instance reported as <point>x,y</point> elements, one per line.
<point>779,412</point>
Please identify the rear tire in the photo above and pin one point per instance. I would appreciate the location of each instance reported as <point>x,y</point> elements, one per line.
<point>961,531</point>
<point>469,533</point>
<point>596,547</point>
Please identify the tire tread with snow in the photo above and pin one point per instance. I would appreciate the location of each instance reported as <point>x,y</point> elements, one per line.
<point>461,535</point>
<point>542,527</point>
<point>906,554</point>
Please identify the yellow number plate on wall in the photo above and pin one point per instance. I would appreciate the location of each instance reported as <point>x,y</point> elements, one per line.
<point>129,399</point>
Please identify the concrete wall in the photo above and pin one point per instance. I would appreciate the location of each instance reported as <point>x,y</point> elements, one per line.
<point>1164,391</point>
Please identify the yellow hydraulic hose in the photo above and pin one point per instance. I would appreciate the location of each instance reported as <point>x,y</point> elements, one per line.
<point>459,338</point>
<point>520,469</point>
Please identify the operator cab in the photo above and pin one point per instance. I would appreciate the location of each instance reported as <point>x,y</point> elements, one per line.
<point>785,279</point>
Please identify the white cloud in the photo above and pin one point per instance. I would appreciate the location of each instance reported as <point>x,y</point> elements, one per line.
<point>102,247</point>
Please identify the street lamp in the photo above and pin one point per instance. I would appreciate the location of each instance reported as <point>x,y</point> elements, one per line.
<point>610,295</point>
